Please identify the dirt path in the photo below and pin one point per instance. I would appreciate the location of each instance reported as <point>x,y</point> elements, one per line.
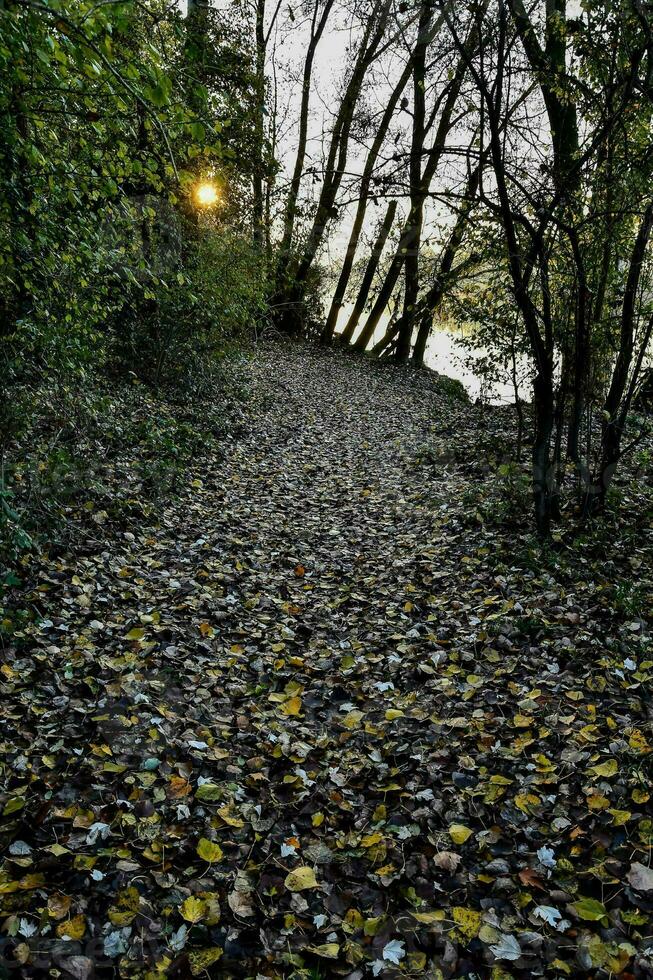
<point>301,721</point>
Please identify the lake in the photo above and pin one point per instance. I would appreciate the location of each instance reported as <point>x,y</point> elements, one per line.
<point>447,355</point>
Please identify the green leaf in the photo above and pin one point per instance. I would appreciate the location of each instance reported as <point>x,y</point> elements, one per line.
<point>208,792</point>
<point>589,909</point>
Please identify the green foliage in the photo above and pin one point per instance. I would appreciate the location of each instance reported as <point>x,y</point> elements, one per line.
<point>99,450</point>
<point>209,296</point>
<point>110,114</point>
<point>629,598</point>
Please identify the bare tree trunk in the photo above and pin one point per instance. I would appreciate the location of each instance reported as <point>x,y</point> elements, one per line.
<point>335,166</point>
<point>550,67</point>
<point>430,303</point>
<point>364,194</point>
<point>270,182</point>
<point>259,127</point>
<point>541,343</point>
<point>406,241</point>
<point>581,358</point>
<point>368,277</point>
<point>417,189</point>
<point>318,24</point>
<point>543,476</point>
<point>549,64</point>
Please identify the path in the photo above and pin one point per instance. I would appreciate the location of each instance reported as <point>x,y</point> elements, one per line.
<point>293,722</point>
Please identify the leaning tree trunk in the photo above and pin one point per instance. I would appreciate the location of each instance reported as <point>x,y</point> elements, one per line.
<point>364,193</point>
<point>335,167</point>
<point>431,301</point>
<point>407,239</point>
<point>418,190</point>
<point>368,276</point>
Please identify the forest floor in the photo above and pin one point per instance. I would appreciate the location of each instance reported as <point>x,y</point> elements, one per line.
<point>328,709</point>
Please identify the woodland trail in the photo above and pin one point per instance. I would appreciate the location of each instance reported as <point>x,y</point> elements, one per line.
<point>311,718</point>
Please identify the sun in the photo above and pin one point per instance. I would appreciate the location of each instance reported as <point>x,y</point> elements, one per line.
<point>206,194</point>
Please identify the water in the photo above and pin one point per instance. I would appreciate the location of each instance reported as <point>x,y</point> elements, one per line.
<point>447,355</point>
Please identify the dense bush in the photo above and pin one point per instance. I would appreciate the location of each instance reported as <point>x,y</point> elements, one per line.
<point>110,269</point>
<point>210,294</point>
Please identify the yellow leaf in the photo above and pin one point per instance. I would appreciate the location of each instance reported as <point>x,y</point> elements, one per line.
<point>227,814</point>
<point>201,959</point>
<point>12,805</point>
<point>371,839</point>
<point>353,921</point>
<point>120,917</point>
<point>192,909</point>
<point>417,963</point>
<point>300,879</point>
<point>467,920</point>
<point>638,742</point>
<point>607,768</point>
<point>597,801</point>
<point>588,733</point>
<point>386,871</point>
<point>353,719</point>
<point>34,880</point>
<point>72,929</point>
<point>211,909</point>
<point>494,793</point>
<point>562,966</point>
<point>522,721</point>
<point>620,817</point>
<point>373,925</point>
<point>429,917</point>
<point>209,851</point>
<point>488,934</point>
<point>292,706</point>
<point>459,833</point>
<point>317,819</point>
<point>128,901</point>
<point>328,951</point>
<point>136,634</point>
<point>525,801</point>
<point>393,713</point>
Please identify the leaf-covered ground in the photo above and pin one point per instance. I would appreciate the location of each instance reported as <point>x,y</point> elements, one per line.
<point>330,711</point>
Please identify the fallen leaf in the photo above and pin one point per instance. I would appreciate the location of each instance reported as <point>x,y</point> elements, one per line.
<point>300,879</point>
<point>209,850</point>
<point>640,877</point>
<point>459,833</point>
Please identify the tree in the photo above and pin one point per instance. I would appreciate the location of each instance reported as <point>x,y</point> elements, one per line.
<point>420,179</point>
<point>563,212</point>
